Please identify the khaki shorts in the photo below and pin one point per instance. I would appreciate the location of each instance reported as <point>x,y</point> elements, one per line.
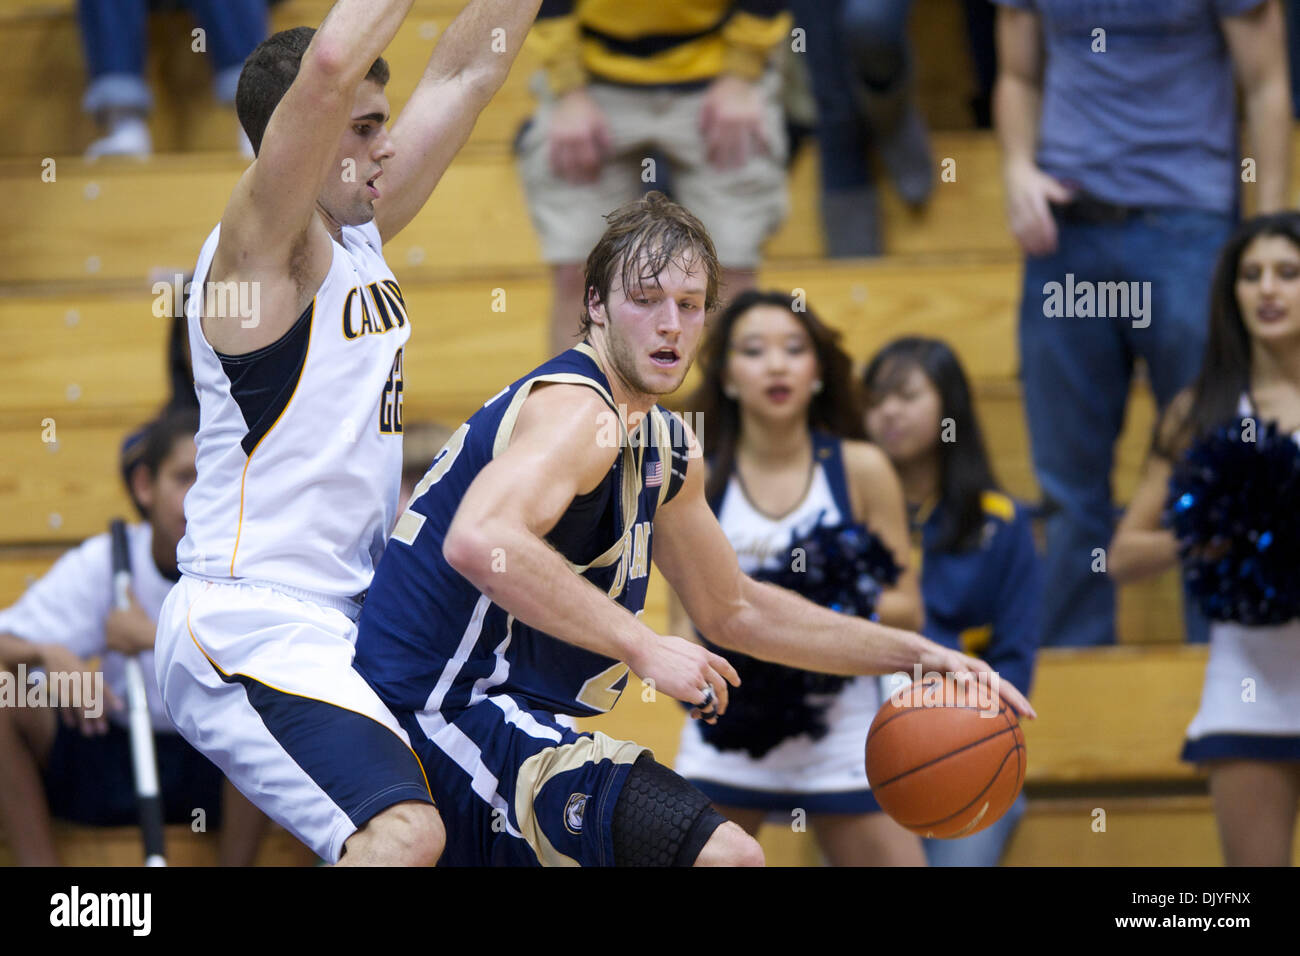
<point>739,207</point>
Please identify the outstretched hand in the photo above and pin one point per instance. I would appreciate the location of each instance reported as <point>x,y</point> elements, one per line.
<point>970,673</point>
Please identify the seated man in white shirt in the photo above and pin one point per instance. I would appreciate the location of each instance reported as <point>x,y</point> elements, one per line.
<point>77,765</point>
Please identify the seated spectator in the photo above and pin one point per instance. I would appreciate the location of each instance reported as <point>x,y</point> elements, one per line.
<point>114,33</point>
<point>79,768</point>
<point>693,81</point>
<point>862,78</point>
<point>980,575</point>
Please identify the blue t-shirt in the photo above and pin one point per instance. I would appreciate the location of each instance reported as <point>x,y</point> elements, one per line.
<point>985,601</point>
<point>1152,120</point>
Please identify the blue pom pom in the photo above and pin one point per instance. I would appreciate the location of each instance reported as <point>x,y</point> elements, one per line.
<point>844,567</point>
<point>1234,506</point>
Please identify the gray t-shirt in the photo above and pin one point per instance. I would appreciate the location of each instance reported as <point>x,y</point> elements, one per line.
<point>1152,120</point>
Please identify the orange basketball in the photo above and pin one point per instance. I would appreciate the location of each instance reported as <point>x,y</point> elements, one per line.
<point>942,762</point>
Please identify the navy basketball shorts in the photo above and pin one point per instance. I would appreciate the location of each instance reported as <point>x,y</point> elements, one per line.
<point>516,786</point>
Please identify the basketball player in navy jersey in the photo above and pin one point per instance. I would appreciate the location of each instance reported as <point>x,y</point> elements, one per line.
<point>299,451</point>
<point>511,590</point>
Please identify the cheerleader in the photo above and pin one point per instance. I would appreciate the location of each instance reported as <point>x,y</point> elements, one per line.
<point>792,492</point>
<point>980,576</point>
<point>1219,494</point>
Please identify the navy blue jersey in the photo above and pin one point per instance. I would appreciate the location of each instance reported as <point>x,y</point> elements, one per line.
<point>429,640</point>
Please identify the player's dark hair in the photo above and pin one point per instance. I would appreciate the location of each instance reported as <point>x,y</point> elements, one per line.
<point>642,238</point>
<point>964,469</point>
<point>149,447</point>
<point>834,409</point>
<point>1226,363</point>
<point>268,73</point>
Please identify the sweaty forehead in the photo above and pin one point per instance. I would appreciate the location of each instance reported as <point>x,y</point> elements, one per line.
<point>680,275</point>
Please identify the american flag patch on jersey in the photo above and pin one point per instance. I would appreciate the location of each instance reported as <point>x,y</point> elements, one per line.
<point>654,476</point>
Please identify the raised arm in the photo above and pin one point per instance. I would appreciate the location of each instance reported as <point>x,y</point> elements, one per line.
<point>276,198</point>
<point>556,435</point>
<point>1256,42</point>
<point>879,504</point>
<point>467,67</point>
<point>762,620</point>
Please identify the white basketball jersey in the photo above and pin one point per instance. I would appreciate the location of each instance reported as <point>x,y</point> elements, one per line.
<point>300,443</point>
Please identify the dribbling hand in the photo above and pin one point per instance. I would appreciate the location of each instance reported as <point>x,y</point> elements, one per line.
<point>973,672</point>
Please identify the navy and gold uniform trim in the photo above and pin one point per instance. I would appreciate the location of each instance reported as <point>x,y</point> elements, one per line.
<point>262,382</point>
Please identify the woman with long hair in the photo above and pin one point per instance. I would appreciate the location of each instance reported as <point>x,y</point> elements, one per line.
<point>980,575</point>
<point>1230,441</point>
<point>801,500</point>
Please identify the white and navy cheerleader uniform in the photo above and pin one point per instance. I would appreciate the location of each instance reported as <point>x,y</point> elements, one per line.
<point>1256,721</point>
<point>806,750</point>
<point>482,694</point>
<point>299,460</point>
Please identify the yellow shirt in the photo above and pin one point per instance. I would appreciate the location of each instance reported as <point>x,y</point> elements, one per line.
<point>656,42</point>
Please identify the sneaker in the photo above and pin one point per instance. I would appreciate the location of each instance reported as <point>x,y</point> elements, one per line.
<point>128,135</point>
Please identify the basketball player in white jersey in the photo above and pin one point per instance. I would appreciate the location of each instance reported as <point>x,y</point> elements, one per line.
<point>299,450</point>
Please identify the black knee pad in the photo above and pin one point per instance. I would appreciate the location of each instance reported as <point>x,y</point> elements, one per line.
<point>660,819</point>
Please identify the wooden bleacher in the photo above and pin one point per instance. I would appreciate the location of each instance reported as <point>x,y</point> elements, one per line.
<point>1110,727</point>
<point>85,349</point>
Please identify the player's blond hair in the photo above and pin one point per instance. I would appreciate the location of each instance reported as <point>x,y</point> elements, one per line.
<point>642,238</point>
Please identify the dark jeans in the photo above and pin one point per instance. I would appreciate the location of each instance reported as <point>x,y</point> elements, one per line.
<point>850,42</point>
<point>1077,373</point>
<point>114,34</point>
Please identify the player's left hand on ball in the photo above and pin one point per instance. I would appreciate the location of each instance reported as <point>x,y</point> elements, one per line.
<point>974,674</point>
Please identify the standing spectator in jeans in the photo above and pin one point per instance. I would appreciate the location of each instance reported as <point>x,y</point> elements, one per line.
<point>115,33</point>
<point>1118,123</point>
<point>863,80</point>
<point>690,81</point>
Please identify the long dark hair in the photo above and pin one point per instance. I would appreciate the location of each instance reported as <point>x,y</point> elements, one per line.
<point>835,408</point>
<point>1225,367</point>
<point>964,470</point>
